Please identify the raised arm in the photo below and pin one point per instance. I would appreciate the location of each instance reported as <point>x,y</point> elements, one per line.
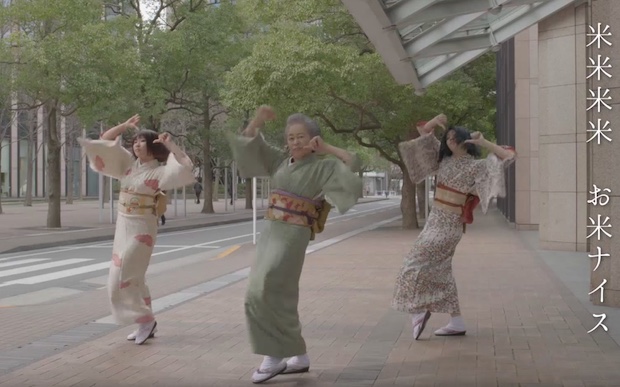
<point>178,170</point>
<point>108,156</point>
<point>350,160</point>
<point>263,114</point>
<point>180,156</point>
<point>113,133</point>
<point>490,172</point>
<point>420,155</point>
<point>502,152</point>
<point>254,156</point>
<point>425,128</point>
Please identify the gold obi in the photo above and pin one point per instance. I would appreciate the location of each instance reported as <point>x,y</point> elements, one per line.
<point>456,202</point>
<point>133,203</point>
<point>298,210</point>
<point>449,199</point>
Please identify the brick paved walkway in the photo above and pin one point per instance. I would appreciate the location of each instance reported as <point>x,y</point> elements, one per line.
<point>525,328</point>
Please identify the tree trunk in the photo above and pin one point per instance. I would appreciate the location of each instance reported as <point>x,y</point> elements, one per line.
<point>80,186</point>
<point>361,175</point>
<point>70,170</point>
<point>421,196</point>
<point>248,194</point>
<point>30,159</point>
<point>407,203</point>
<point>216,184</point>
<point>53,167</point>
<point>207,185</point>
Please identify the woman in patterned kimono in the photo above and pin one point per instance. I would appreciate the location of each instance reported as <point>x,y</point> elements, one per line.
<point>141,179</point>
<point>425,283</point>
<point>273,291</point>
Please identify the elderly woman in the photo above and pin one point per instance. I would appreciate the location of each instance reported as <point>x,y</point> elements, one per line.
<point>142,180</point>
<point>425,283</point>
<point>273,291</point>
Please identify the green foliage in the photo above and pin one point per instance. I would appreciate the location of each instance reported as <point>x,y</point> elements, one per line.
<point>65,54</point>
<point>306,66</point>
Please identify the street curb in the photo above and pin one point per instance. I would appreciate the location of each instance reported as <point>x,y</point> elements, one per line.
<point>110,235</point>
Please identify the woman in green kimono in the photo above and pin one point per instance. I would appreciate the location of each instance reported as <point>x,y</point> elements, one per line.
<point>273,290</point>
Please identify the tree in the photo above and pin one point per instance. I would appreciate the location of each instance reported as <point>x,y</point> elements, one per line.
<point>325,70</point>
<point>72,61</point>
<point>210,42</point>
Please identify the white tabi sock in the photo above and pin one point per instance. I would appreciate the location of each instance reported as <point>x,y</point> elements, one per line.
<point>456,324</point>
<point>270,362</point>
<point>300,360</point>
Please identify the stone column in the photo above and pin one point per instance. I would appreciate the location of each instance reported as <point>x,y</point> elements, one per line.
<point>562,138</point>
<point>526,129</point>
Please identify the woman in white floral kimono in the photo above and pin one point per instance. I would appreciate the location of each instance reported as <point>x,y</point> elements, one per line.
<point>142,179</point>
<point>425,283</point>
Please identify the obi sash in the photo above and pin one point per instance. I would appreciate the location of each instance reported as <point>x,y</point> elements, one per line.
<point>290,208</point>
<point>457,202</point>
<point>133,203</point>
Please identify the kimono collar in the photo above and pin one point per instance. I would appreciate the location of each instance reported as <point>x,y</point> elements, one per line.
<point>149,164</point>
<point>305,160</point>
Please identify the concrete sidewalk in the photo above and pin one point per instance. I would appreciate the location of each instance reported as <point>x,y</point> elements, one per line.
<point>526,327</point>
<point>23,228</point>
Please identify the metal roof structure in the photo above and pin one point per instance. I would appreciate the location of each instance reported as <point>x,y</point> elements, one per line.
<point>423,41</point>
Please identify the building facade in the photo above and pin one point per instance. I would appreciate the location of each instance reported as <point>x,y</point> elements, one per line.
<point>76,175</point>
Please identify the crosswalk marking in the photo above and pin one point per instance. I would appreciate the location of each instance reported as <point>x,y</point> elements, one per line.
<point>43,266</point>
<point>18,267</point>
<point>57,275</point>
<point>23,262</point>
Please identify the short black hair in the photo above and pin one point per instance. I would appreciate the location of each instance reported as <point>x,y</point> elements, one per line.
<point>159,151</point>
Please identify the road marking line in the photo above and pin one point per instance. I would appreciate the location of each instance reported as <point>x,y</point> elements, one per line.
<point>23,262</point>
<point>381,207</point>
<point>174,299</point>
<point>226,253</point>
<point>42,266</point>
<point>100,266</point>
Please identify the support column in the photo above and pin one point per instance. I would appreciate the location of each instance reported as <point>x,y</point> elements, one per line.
<point>562,138</point>
<point>526,129</point>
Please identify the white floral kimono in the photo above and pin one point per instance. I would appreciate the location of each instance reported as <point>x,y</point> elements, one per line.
<point>136,225</point>
<point>425,282</point>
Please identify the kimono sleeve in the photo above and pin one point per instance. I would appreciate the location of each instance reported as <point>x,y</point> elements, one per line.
<point>420,156</point>
<point>107,157</point>
<point>175,174</point>
<point>490,178</point>
<point>254,156</point>
<point>342,187</point>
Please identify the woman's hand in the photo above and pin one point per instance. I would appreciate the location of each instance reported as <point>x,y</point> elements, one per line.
<point>318,145</point>
<point>132,122</point>
<point>429,127</point>
<point>476,138</point>
<point>165,139</point>
<point>115,132</point>
<point>265,113</point>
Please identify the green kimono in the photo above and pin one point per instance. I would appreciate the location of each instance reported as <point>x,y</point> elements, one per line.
<point>273,290</point>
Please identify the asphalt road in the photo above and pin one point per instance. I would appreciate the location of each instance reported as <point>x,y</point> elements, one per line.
<point>49,274</point>
<point>52,299</point>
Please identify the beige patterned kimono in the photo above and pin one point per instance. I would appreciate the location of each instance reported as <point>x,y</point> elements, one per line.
<point>136,229</point>
<point>425,281</point>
